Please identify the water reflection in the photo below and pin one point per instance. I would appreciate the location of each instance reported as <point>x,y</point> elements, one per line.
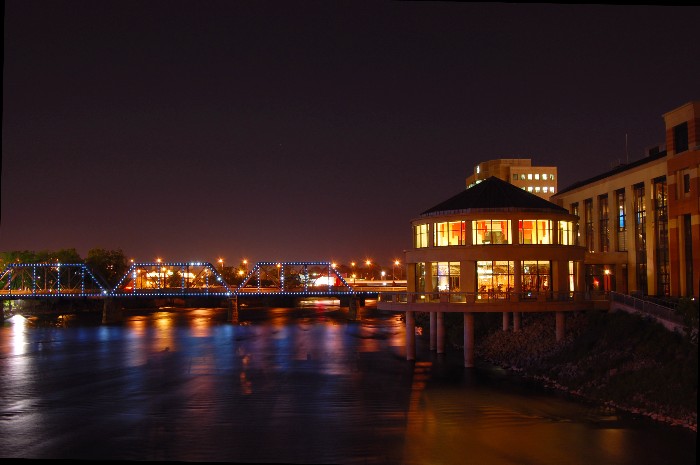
<point>293,386</point>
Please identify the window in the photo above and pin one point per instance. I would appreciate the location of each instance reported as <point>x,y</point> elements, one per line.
<point>495,279</point>
<point>536,277</point>
<point>537,188</point>
<point>588,220</point>
<point>421,236</point>
<point>522,176</point>
<point>445,276</point>
<point>577,233</point>
<point>551,189</point>
<point>420,277</point>
<point>449,233</point>
<point>661,234</point>
<point>621,221</point>
<point>566,233</point>
<point>686,183</point>
<point>529,176</point>
<point>551,177</point>
<point>535,231</point>
<point>537,176</point>
<point>640,237</point>
<point>515,177</point>
<point>491,232</point>
<point>688,252</point>
<point>603,230</point>
<point>529,188</point>
<point>680,137</point>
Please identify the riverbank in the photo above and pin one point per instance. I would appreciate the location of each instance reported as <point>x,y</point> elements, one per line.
<point>616,359</point>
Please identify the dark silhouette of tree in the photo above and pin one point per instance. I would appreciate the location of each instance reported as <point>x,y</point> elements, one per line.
<point>109,265</point>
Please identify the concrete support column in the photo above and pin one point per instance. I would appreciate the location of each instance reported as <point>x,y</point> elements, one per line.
<point>111,311</point>
<point>516,322</point>
<point>410,336</point>
<point>518,280</point>
<point>233,310</point>
<point>561,324</point>
<point>440,332</point>
<point>506,321</point>
<point>433,329</point>
<point>468,340</point>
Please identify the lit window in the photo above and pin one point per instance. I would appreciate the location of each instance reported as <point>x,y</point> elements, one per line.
<point>551,189</point>
<point>544,176</point>
<point>537,188</point>
<point>529,188</point>
<point>537,176</point>
<point>551,177</point>
<point>545,189</point>
<point>529,176</point>
<point>477,170</point>
<point>522,176</point>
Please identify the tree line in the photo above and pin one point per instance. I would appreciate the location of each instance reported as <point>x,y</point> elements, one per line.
<point>109,265</point>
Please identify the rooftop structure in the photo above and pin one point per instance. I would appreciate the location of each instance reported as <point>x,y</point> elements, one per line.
<point>538,180</point>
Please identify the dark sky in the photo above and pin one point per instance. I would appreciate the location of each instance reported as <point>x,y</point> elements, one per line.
<point>310,130</point>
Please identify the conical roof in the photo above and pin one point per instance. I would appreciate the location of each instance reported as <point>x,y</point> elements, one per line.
<point>491,195</point>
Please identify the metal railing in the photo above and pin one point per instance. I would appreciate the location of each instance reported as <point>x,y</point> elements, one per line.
<point>484,297</point>
<point>648,307</point>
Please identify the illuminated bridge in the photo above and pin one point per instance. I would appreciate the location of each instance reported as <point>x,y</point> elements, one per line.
<point>174,279</point>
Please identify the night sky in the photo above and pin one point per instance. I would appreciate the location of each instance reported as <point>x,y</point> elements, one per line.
<point>305,130</point>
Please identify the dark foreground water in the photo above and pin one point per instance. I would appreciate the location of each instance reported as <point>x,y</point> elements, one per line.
<point>289,386</point>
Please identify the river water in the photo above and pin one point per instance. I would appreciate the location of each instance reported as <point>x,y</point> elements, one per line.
<point>298,386</point>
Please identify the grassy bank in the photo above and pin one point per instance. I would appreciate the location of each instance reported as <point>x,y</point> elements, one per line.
<point>616,358</point>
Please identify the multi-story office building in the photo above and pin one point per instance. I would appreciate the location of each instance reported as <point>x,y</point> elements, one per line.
<point>538,180</point>
<point>640,222</point>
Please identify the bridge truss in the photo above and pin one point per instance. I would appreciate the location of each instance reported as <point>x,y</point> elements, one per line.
<point>172,279</point>
<point>302,278</point>
<point>20,280</point>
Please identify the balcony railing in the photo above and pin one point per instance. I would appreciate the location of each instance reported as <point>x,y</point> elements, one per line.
<point>484,297</point>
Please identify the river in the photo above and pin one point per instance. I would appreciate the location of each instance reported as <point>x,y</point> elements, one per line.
<point>298,386</point>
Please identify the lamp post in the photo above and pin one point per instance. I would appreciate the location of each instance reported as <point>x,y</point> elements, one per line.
<point>393,271</point>
<point>369,268</point>
<point>221,262</point>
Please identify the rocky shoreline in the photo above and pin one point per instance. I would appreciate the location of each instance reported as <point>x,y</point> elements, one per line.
<point>617,360</point>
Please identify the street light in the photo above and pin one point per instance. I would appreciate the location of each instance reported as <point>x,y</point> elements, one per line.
<point>369,268</point>
<point>393,271</point>
<point>221,261</point>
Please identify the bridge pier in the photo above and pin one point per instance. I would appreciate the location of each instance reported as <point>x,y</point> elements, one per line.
<point>354,306</point>
<point>232,310</point>
<point>112,312</point>
<point>410,336</point>
<point>468,340</point>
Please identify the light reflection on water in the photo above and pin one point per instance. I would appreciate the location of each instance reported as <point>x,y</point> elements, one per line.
<point>293,386</point>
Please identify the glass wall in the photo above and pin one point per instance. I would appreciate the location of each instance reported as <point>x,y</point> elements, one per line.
<point>420,236</point>
<point>566,233</point>
<point>536,277</point>
<point>603,227</point>
<point>450,233</point>
<point>494,278</point>
<point>491,232</point>
<point>535,231</point>
<point>661,235</point>
<point>420,277</point>
<point>445,276</point>
<point>640,243</point>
